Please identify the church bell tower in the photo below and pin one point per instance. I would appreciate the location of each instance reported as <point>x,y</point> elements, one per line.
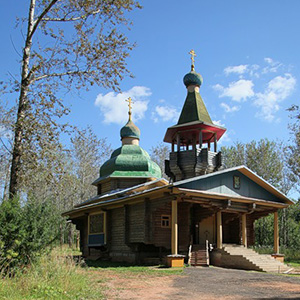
<point>195,137</point>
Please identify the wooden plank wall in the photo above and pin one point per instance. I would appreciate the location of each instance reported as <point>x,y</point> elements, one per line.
<point>161,237</point>
<point>117,230</point>
<point>136,220</point>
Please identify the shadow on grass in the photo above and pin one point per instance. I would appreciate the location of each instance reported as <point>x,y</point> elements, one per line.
<point>112,264</point>
<point>127,268</point>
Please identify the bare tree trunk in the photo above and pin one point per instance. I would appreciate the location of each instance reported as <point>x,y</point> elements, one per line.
<point>25,81</point>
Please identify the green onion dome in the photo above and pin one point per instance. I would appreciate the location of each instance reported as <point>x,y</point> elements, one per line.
<point>130,130</point>
<point>192,78</point>
<point>130,161</point>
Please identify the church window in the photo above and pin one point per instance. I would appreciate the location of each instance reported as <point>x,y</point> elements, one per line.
<point>96,223</point>
<point>165,221</point>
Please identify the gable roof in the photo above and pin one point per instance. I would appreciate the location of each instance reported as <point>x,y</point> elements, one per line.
<point>248,173</point>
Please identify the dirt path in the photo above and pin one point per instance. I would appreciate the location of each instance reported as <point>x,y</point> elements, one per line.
<point>200,283</point>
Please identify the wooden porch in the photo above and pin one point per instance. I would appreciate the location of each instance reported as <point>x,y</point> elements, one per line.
<point>217,220</point>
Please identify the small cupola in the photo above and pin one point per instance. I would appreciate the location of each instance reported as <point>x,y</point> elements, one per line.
<point>192,80</point>
<point>130,133</point>
<point>128,165</point>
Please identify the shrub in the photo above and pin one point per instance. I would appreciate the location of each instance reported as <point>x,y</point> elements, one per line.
<point>26,231</point>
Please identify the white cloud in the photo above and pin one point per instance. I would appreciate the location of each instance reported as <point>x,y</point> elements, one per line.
<point>253,70</point>
<point>272,67</point>
<point>229,109</point>
<point>269,60</point>
<point>115,108</point>
<point>165,113</point>
<point>218,123</point>
<point>278,89</point>
<point>236,90</point>
<point>241,69</point>
<point>225,137</point>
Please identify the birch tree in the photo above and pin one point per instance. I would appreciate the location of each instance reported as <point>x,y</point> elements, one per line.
<point>68,45</point>
<point>159,154</point>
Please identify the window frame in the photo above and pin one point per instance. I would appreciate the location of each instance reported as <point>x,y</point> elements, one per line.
<point>104,223</point>
<point>162,220</point>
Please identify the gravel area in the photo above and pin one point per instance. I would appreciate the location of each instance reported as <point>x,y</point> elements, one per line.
<point>219,283</point>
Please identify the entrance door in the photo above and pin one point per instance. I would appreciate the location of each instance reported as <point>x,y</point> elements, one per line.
<point>207,230</point>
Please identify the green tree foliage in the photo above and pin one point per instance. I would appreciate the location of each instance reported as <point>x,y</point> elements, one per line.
<point>263,157</point>
<point>26,231</point>
<point>294,147</point>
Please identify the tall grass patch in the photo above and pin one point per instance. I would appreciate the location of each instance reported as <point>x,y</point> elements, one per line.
<point>51,277</point>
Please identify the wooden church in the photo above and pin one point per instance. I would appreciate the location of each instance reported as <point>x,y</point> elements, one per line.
<point>204,215</point>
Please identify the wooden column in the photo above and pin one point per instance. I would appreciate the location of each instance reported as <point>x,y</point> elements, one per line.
<point>215,142</point>
<point>173,146</point>
<point>178,142</point>
<point>200,139</point>
<point>174,228</point>
<point>244,230</point>
<point>276,233</point>
<point>194,143</point>
<point>219,230</point>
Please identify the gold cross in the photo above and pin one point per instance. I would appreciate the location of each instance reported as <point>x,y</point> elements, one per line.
<point>193,54</point>
<point>129,100</point>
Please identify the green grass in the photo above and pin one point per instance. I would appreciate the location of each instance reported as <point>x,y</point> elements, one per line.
<point>53,277</point>
<point>66,250</point>
<point>290,255</point>
<point>128,268</point>
<point>295,264</point>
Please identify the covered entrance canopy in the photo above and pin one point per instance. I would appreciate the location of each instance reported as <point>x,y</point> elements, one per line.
<point>224,206</point>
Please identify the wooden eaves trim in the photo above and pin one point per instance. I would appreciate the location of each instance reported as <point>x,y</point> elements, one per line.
<point>211,195</point>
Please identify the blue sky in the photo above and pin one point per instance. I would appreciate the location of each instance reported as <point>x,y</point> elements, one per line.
<point>247,53</point>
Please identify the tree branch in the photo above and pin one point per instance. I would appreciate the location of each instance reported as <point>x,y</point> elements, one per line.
<point>59,74</point>
<point>9,151</point>
<point>64,19</point>
<point>39,19</point>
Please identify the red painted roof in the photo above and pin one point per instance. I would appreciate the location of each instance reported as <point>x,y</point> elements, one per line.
<point>189,131</point>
